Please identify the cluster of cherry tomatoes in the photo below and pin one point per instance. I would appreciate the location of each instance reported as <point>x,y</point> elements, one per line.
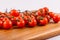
<point>17,19</point>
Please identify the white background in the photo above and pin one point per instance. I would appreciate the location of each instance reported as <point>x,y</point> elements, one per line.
<point>53,5</point>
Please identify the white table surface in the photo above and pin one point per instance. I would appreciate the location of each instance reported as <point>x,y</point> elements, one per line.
<point>53,5</point>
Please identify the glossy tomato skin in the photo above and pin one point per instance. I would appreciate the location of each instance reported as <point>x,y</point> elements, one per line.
<point>14,21</point>
<point>1,24</point>
<point>38,13</point>
<point>5,18</point>
<point>51,14</point>
<point>14,12</point>
<point>32,22</point>
<point>7,24</point>
<point>56,18</point>
<point>44,21</point>
<point>42,12</point>
<point>59,17</point>
<point>38,19</point>
<point>21,24</point>
<point>25,19</point>
<point>1,18</point>
<point>46,10</point>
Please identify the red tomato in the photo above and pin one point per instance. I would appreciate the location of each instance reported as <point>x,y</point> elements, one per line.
<point>1,24</point>
<point>32,22</point>
<point>46,10</point>
<point>5,19</point>
<point>42,21</point>
<point>25,19</point>
<point>56,18</point>
<point>19,17</point>
<point>38,19</point>
<point>42,12</point>
<point>20,23</point>
<point>14,21</point>
<point>59,17</point>
<point>7,24</point>
<point>1,18</point>
<point>51,14</point>
<point>14,12</point>
<point>38,13</point>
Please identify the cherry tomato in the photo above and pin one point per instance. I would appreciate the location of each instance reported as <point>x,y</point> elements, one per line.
<point>38,13</point>
<point>14,12</point>
<point>5,19</point>
<point>59,17</point>
<point>14,21</point>
<point>42,12</point>
<point>21,23</point>
<point>56,18</point>
<point>38,19</point>
<point>25,19</point>
<point>46,10</point>
<point>1,18</point>
<point>32,22</point>
<point>7,24</point>
<point>51,14</point>
<point>1,24</point>
<point>42,21</point>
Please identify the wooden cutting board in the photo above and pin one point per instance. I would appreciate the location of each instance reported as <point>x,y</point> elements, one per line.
<point>36,33</point>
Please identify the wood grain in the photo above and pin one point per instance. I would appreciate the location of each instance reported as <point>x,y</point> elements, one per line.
<point>36,33</point>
